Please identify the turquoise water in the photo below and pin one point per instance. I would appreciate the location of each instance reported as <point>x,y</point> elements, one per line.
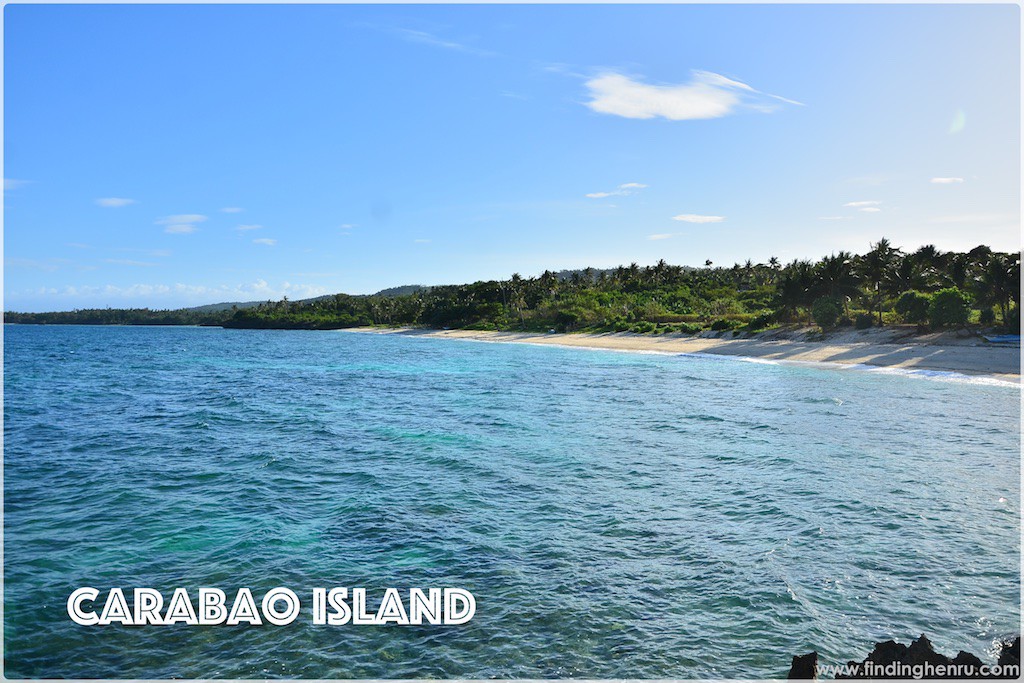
<point>615,514</point>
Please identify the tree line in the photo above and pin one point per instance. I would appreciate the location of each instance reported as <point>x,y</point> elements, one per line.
<point>926,287</point>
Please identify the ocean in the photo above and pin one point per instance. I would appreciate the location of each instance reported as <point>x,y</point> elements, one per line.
<point>614,514</point>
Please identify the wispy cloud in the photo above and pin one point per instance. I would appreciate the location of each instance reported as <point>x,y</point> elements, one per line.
<point>114,202</point>
<point>425,38</point>
<point>47,266</point>
<point>245,228</point>
<point>159,253</point>
<point>232,209</point>
<point>14,184</point>
<point>181,224</point>
<point>976,218</point>
<point>866,202</point>
<point>706,96</point>
<point>697,218</point>
<point>947,181</point>
<point>623,190</point>
<point>869,209</point>
<point>265,240</point>
<point>347,226</point>
<point>128,262</point>
<point>421,241</point>
<point>181,218</point>
<point>182,293</point>
<point>833,218</point>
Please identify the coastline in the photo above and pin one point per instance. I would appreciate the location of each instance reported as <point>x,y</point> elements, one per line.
<point>1002,363</point>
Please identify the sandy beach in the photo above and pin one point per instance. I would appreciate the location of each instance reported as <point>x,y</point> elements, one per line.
<point>889,347</point>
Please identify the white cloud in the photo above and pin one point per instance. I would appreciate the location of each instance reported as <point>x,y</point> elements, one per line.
<point>114,202</point>
<point>14,184</point>
<point>662,236</point>
<point>265,240</point>
<point>232,209</point>
<point>696,218</point>
<point>623,190</point>
<point>421,241</point>
<point>707,96</point>
<point>181,224</point>
<point>869,209</point>
<point>181,218</point>
<point>833,218</point>
<point>947,181</point>
<point>244,228</point>
<point>347,226</point>
<point>867,202</point>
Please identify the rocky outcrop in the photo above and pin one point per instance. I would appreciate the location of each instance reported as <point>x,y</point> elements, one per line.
<point>893,660</point>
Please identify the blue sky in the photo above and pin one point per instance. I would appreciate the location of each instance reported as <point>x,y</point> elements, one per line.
<point>166,156</point>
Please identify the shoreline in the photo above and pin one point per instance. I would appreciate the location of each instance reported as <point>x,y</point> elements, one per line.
<point>1001,363</point>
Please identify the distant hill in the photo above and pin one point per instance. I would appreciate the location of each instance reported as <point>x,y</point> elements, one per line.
<point>401,290</point>
<point>225,306</point>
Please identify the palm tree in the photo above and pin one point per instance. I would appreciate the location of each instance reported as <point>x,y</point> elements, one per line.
<point>835,277</point>
<point>874,267</point>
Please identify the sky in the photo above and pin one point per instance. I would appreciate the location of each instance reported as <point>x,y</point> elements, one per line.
<point>178,155</point>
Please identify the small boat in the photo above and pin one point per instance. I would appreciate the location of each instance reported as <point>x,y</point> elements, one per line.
<point>1002,338</point>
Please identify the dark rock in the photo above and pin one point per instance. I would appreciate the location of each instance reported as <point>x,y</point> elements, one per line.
<point>804,666</point>
<point>967,659</point>
<point>1010,653</point>
<point>887,652</point>
<point>918,654</point>
<point>922,652</point>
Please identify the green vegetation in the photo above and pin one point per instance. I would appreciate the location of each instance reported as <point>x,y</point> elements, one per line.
<point>203,315</point>
<point>913,307</point>
<point>949,308</point>
<point>883,286</point>
<point>826,311</point>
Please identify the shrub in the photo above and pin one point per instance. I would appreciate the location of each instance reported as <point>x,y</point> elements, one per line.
<point>987,317</point>
<point>949,307</point>
<point>690,328</point>
<point>761,320</point>
<point>913,306</point>
<point>723,324</point>
<point>863,321</point>
<point>642,327</point>
<point>1012,320</point>
<point>826,311</point>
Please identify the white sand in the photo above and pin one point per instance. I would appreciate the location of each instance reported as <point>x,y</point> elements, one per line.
<point>931,352</point>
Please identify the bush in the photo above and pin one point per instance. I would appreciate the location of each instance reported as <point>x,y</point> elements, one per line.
<point>913,307</point>
<point>689,328</point>
<point>761,320</point>
<point>949,307</point>
<point>1012,321</point>
<point>863,321</point>
<point>826,311</point>
<point>723,324</point>
<point>987,317</point>
<point>643,327</point>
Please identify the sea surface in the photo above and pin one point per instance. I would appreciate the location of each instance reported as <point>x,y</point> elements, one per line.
<point>614,514</point>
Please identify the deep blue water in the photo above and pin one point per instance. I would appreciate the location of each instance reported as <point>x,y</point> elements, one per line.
<point>615,514</point>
